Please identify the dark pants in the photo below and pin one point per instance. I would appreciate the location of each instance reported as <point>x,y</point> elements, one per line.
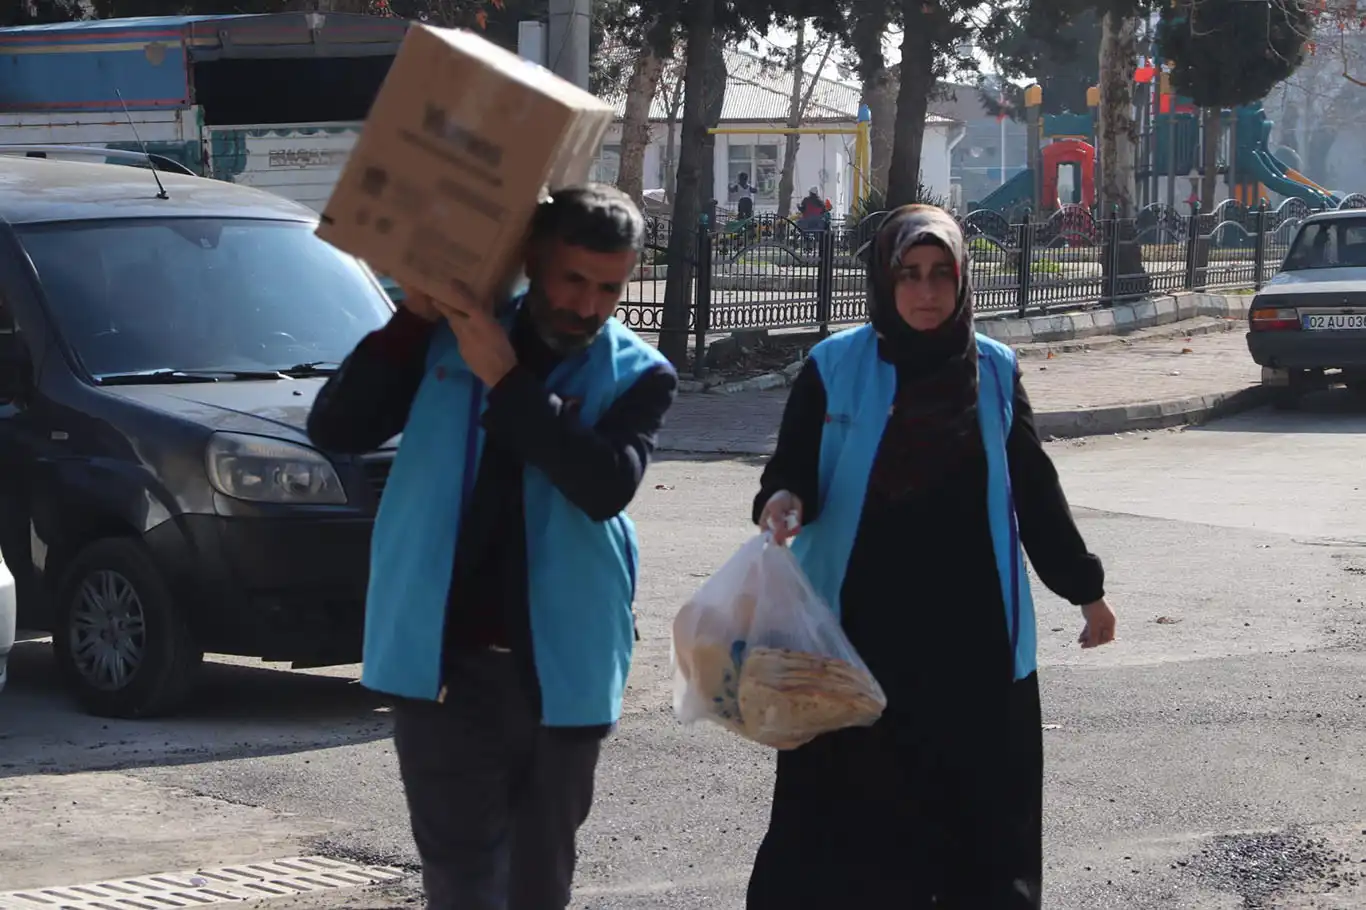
<point>495,798</point>
<point>910,815</point>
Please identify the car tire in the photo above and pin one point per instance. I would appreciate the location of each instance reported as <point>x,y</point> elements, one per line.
<point>120,642</point>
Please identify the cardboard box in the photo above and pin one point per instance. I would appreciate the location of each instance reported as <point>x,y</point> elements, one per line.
<point>461,143</point>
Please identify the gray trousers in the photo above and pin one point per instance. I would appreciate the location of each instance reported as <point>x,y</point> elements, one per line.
<point>495,799</point>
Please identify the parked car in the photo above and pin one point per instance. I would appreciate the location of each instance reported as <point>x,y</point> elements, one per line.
<point>1307,327</point>
<point>159,498</point>
<point>9,616</point>
<point>392,288</point>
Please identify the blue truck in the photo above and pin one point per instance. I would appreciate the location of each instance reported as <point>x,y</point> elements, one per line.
<point>273,101</point>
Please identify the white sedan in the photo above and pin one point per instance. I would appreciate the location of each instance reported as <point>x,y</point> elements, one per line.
<point>1307,327</point>
<point>8,616</point>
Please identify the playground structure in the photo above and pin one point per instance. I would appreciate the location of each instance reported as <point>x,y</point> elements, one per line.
<point>1063,170</point>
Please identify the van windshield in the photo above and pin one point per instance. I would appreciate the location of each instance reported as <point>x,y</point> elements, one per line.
<point>202,295</point>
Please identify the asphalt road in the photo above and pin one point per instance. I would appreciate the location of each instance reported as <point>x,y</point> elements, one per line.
<point>1212,759</point>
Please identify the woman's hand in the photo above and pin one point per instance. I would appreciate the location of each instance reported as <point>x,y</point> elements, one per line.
<point>1100,625</point>
<point>782,516</point>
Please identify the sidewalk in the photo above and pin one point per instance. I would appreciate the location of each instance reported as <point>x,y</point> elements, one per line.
<point>1143,384</point>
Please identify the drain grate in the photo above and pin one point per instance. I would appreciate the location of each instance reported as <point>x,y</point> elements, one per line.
<point>174,890</point>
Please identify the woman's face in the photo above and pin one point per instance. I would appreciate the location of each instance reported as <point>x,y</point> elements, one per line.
<point>926,286</point>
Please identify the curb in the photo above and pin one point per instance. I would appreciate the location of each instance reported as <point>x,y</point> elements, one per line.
<point>1068,331</point>
<point>1193,329</point>
<point>1078,424</point>
<point>1119,320</point>
<point>1149,415</point>
<point>761,383</point>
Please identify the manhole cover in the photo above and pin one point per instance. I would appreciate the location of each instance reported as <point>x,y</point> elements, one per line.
<point>168,891</point>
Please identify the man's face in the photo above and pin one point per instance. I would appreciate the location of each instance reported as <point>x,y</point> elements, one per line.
<point>574,290</point>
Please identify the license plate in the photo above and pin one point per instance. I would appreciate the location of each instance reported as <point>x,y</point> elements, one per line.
<point>1329,322</point>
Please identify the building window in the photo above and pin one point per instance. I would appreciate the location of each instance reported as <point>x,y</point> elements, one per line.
<point>665,173</point>
<point>759,165</point>
<point>607,166</point>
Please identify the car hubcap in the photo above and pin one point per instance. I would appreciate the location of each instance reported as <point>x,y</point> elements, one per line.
<point>108,630</point>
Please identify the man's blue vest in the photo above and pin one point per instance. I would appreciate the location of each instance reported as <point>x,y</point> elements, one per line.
<point>860,388</point>
<point>581,573</point>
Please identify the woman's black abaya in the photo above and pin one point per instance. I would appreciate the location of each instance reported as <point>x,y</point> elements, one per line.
<point>939,804</point>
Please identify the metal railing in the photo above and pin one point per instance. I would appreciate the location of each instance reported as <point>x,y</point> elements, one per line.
<point>776,273</point>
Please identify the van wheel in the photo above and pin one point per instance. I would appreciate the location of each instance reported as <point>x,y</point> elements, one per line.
<point>119,640</point>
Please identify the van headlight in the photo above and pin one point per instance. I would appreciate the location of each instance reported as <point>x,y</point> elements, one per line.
<point>261,469</point>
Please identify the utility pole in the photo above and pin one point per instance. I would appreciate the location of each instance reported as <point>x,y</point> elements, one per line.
<point>566,51</point>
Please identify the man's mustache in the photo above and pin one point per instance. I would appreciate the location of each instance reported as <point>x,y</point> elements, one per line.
<point>573,323</point>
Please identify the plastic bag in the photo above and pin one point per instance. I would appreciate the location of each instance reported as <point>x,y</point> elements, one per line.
<point>758,651</point>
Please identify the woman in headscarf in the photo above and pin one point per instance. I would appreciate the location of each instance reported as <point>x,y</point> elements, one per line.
<point>911,478</point>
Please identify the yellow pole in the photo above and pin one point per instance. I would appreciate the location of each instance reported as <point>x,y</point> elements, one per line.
<point>863,183</point>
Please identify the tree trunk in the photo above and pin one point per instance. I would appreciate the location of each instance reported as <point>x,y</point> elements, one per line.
<point>673,335</point>
<point>1213,134</point>
<point>801,100</point>
<point>671,139</point>
<point>635,124</point>
<point>1118,131</point>
<point>1117,141</point>
<point>711,118</point>
<point>792,141</point>
<point>879,89</point>
<point>879,93</point>
<point>912,105</point>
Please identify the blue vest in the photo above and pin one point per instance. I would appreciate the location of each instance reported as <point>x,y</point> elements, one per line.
<point>581,573</point>
<point>860,388</point>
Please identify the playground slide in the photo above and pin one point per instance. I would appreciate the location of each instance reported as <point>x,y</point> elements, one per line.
<point>1269,171</point>
<point>1254,135</point>
<point>1300,178</point>
<point>1018,190</point>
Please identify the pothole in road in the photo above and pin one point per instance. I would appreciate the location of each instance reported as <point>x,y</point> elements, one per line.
<point>230,884</point>
<point>1260,867</point>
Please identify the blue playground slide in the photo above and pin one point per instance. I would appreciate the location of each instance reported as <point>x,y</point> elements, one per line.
<point>1017,191</point>
<point>1267,169</point>
<point>1256,161</point>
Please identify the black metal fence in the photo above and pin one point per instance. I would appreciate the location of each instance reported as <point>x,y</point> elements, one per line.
<point>772,273</point>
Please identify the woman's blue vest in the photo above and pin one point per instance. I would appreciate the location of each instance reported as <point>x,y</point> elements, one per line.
<point>860,388</point>
<point>581,573</point>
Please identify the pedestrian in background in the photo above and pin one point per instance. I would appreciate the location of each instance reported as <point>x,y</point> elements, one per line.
<point>503,565</point>
<point>912,472</point>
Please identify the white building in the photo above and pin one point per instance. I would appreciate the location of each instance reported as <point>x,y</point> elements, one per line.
<point>759,95</point>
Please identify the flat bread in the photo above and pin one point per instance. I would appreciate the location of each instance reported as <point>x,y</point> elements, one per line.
<point>782,697</point>
<point>787,698</point>
<point>785,668</point>
<point>783,719</point>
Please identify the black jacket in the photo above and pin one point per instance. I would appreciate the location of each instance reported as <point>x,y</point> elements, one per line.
<point>922,601</point>
<point>598,468</point>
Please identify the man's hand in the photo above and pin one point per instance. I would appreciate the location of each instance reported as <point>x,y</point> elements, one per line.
<point>1100,625</point>
<point>483,341</point>
<point>421,305</point>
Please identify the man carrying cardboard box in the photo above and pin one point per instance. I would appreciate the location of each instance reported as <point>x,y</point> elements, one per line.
<point>503,565</point>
